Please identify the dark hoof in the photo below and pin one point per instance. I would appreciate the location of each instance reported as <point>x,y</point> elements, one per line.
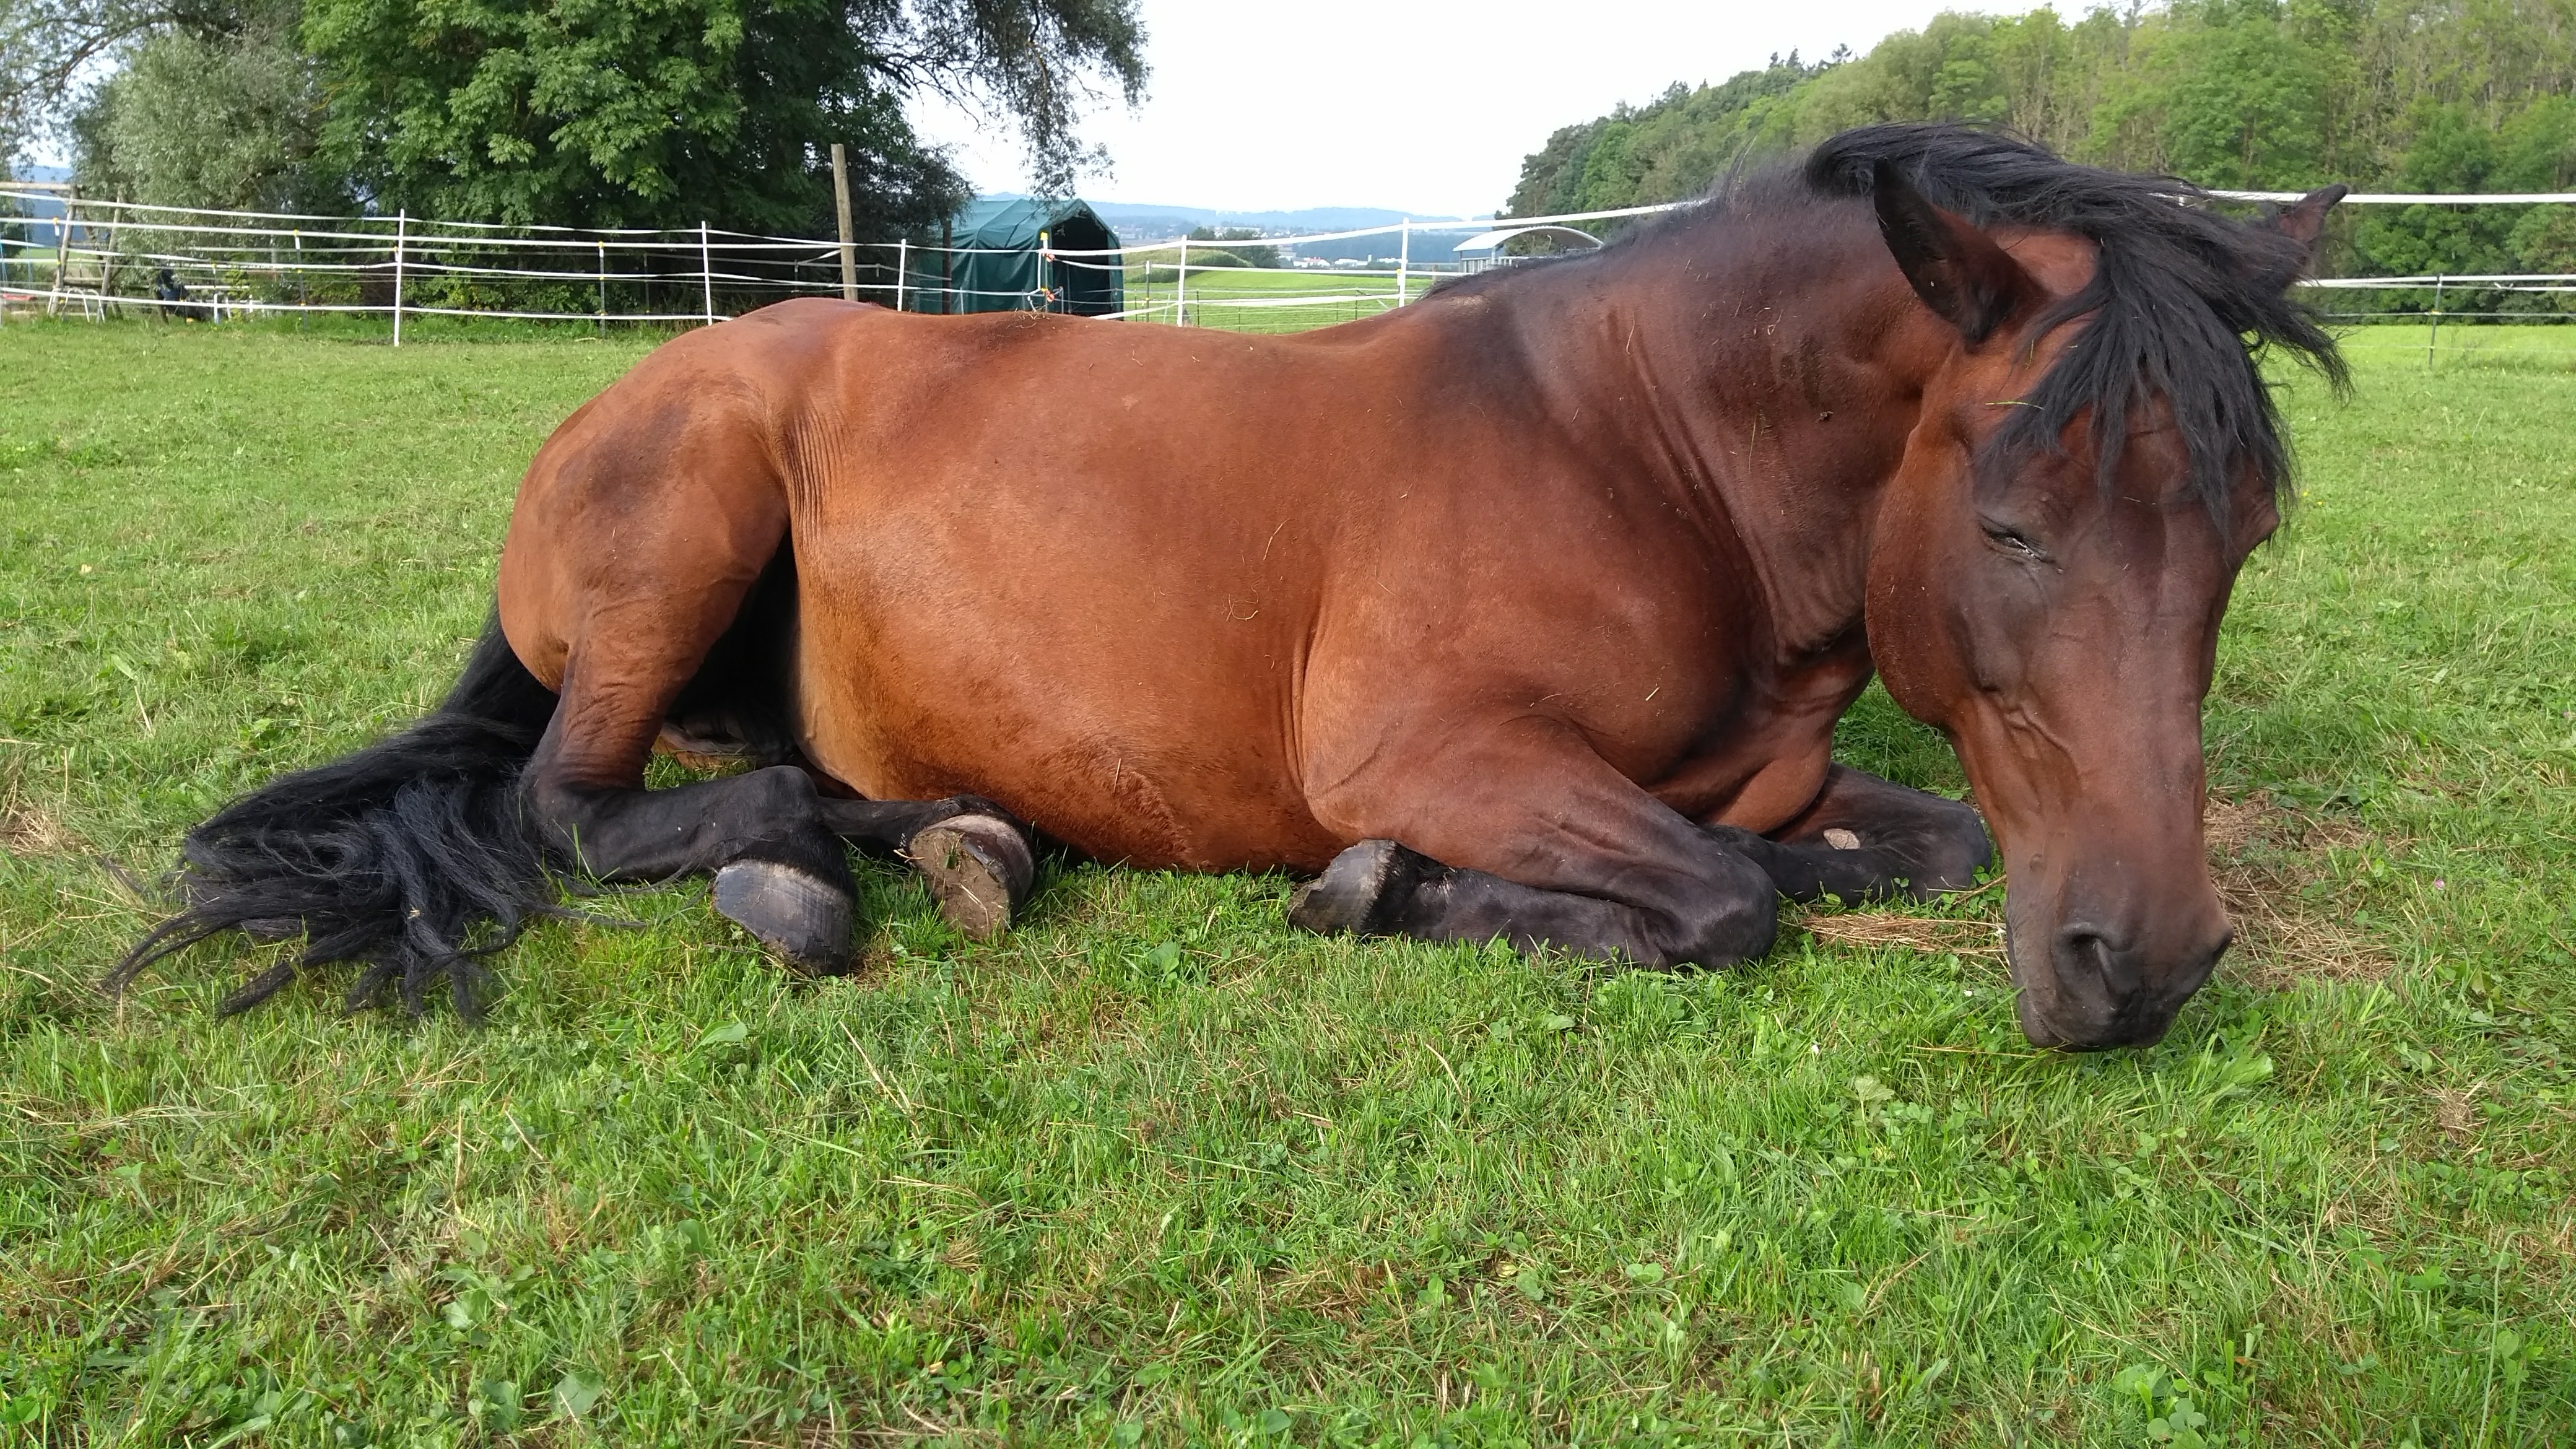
<point>801,918</point>
<point>979,870</point>
<point>1360,892</point>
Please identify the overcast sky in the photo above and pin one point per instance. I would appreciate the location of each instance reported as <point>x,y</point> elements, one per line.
<point>1423,107</point>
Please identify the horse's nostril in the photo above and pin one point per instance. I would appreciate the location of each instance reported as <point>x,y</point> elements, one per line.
<point>2085,950</point>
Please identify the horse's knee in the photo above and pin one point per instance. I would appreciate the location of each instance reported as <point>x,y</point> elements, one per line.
<point>1735,918</point>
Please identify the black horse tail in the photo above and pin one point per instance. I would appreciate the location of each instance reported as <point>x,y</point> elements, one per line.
<point>413,856</point>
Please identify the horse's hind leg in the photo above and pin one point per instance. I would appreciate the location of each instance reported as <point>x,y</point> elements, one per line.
<point>972,854</point>
<point>780,871</point>
<point>1865,838</point>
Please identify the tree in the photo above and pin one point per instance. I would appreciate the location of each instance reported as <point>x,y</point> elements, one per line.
<point>565,112</point>
<point>2227,94</point>
<point>46,44</point>
<point>222,111</point>
<point>666,112</point>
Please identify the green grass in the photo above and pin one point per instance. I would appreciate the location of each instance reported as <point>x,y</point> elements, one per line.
<point>1238,300</point>
<point>1156,1167</point>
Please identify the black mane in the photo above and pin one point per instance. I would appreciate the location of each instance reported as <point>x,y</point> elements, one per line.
<point>2183,300</point>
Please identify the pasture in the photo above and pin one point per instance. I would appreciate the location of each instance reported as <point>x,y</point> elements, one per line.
<point>1155,1168</point>
<point>1239,300</point>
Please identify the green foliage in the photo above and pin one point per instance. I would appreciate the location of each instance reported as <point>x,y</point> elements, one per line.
<point>2463,95</point>
<point>630,113</point>
<point>591,112</point>
<point>1156,1169</point>
<point>222,114</point>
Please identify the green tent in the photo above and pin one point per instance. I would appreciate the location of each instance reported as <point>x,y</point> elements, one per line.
<point>999,261</point>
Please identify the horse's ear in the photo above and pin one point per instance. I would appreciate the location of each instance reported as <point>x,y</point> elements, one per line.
<point>2303,221</point>
<point>1956,269</point>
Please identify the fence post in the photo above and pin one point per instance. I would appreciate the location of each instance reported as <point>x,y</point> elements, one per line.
<point>62,254</point>
<point>1404,263</point>
<point>402,227</point>
<point>902,268</point>
<point>2436,334</point>
<point>841,201</point>
<point>707,272</point>
<point>303,285</point>
<point>1181,288</point>
<point>603,289</point>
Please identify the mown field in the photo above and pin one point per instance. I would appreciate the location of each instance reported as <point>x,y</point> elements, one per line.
<point>1156,1169</point>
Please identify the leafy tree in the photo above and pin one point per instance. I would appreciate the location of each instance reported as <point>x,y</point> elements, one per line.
<point>219,112</point>
<point>2224,93</point>
<point>578,112</point>
<point>46,44</point>
<point>666,112</point>
<point>1674,146</point>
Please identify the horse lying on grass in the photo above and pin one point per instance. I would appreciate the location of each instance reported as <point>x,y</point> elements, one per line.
<point>1524,612</point>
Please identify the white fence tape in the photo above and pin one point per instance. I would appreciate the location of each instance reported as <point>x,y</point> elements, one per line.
<point>235,262</point>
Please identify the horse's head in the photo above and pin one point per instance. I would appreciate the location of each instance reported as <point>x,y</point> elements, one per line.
<point>2093,462</point>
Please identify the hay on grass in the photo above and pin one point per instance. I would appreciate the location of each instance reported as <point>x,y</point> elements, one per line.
<point>2268,863</point>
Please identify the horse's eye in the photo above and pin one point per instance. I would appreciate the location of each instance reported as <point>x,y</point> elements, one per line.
<point>2010,542</point>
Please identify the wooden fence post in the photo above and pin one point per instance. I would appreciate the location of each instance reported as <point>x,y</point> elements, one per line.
<point>841,202</point>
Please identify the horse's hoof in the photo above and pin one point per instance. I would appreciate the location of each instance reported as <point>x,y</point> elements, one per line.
<point>979,869</point>
<point>1357,892</point>
<point>801,918</point>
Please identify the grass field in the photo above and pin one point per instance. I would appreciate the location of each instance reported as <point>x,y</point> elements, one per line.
<point>1156,1169</point>
<point>1239,300</point>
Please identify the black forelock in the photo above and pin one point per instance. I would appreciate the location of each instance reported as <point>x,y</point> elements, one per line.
<point>2182,303</point>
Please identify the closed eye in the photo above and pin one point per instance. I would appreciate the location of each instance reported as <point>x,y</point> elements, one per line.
<point>2012,542</point>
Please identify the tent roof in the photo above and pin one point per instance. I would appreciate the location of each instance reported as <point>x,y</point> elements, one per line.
<point>1012,222</point>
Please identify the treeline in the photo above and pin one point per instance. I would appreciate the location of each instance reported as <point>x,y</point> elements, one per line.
<point>2395,95</point>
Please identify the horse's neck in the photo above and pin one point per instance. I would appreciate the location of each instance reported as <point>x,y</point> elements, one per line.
<point>1765,384</point>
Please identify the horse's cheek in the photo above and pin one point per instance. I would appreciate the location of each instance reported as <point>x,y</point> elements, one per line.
<point>1908,615</point>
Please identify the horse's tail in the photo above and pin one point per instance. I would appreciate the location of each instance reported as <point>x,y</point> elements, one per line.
<point>412,856</point>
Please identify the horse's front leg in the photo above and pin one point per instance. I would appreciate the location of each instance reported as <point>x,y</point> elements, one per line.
<point>1524,833</point>
<point>1864,838</point>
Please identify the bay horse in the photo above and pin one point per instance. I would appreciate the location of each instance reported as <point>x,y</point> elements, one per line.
<point>1524,612</point>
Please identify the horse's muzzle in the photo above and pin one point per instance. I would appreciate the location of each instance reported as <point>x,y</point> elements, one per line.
<point>2108,988</point>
